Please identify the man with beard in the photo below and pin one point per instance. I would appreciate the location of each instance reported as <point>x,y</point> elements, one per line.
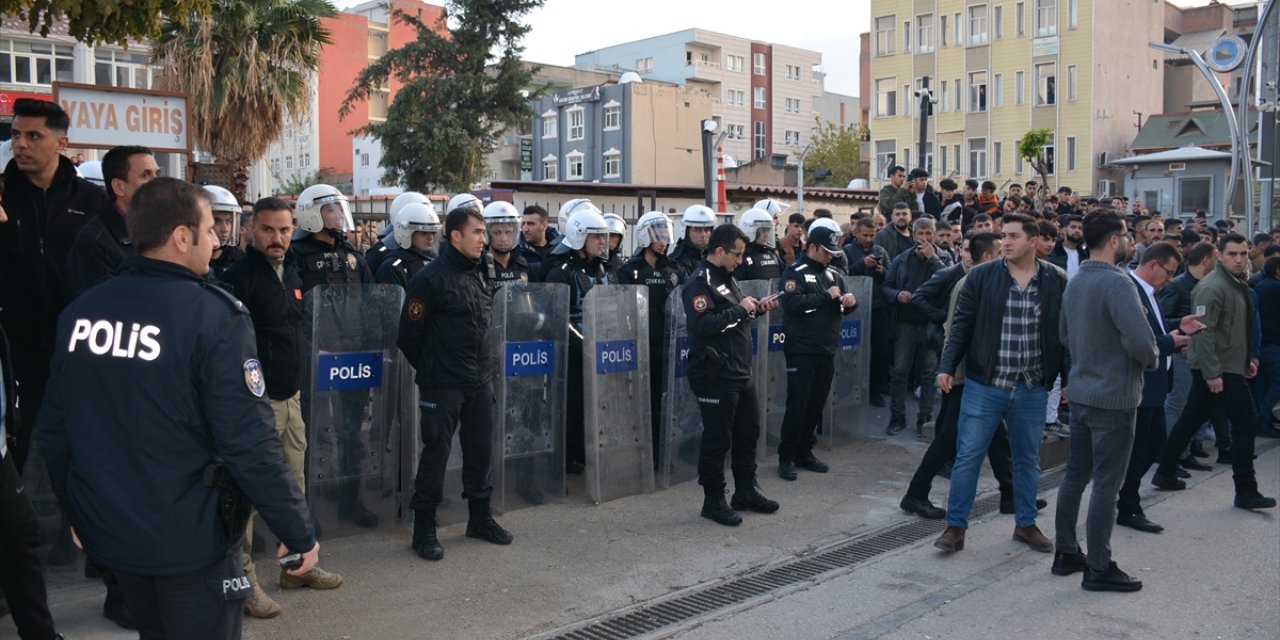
<point>866,258</point>
<point>895,192</point>
<point>896,238</point>
<point>1070,251</point>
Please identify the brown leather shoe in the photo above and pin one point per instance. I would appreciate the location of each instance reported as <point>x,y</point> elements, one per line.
<point>951,540</point>
<point>316,578</point>
<point>260,605</point>
<point>1032,537</point>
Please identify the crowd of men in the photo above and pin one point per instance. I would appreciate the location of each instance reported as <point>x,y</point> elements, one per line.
<point>983,305</point>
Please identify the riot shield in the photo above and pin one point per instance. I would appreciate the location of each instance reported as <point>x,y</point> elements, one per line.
<point>531,333</point>
<point>619,446</point>
<point>772,385</point>
<point>846,417</point>
<point>355,404</point>
<point>760,359</point>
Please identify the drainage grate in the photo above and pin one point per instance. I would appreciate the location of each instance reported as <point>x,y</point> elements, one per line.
<point>675,609</point>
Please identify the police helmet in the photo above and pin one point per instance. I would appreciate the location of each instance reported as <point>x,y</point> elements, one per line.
<point>825,222</point>
<point>584,222</point>
<point>322,207</point>
<point>757,224</point>
<point>653,227</point>
<point>772,207</point>
<point>387,234</point>
<point>465,201</point>
<point>617,226</point>
<point>92,171</point>
<point>412,218</point>
<point>500,214</point>
<point>573,206</point>
<point>223,202</point>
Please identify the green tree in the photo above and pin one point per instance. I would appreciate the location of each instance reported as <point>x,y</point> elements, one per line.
<point>1031,149</point>
<point>455,99</point>
<point>115,21</point>
<point>245,68</point>
<point>836,149</point>
<point>295,182</point>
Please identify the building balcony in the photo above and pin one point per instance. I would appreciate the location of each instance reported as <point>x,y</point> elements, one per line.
<point>707,71</point>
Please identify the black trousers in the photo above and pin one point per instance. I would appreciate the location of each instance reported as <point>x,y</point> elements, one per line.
<point>1148,442</point>
<point>443,410</point>
<point>657,380</point>
<point>204,604</point>
<point>575,448</point>
<point>943,448</point>
<point>808,386</point>
<point>730,424</point>
<point>1236,403</point>
<point>31,371</point>
<point>20,577</point>
<point>882,329</point>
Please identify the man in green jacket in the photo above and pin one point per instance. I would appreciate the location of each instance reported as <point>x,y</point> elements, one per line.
<point>1222,362</point>
<point>894,192</point>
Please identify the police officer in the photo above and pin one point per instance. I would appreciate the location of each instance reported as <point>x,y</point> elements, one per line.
<point>444,333</point>
<point>578,261</point>
<point>387,242</point>
<point>414,230</point>
<point>104,243</point>
<point>813,300</point>
<point>158,479</point>
<point>617,231</point>
<point>226,223</point>
<point>651,267</point>
<point>698,221</point>
<point>502,225</point>
<point>719,319</point>
<point>324,257</point>
<point>838,262</point>
<point>760,261</point>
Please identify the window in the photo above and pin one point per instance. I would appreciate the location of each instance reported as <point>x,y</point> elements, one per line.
<point>759,146</point>
<point>1049,156</point>
<point>997,150</point>
<point>955,155</point>
<point>997,86</point>
<point>1046,83</point>
<point>884,36</point>
<point>759,102</point>
<point>364,159</point>
<point>1020,19</point>
<point>928,157</point>
<point>885,156</point>
<point>1193,194</point>
<point>1071,82</point>
<point>959,99</point>
<point>908,100</point>
<point>998,19</point>
<point>757,60</point>
<point>40,63</point>
<point>644,65</point>
<point>288,162</point>
<point>550,166</point>
<point>793,72</point>
<point>944,161</point>
<point>1020,88</point>
<point>906,37</point>
<point>943,98</point>
<point>1073,14</point>
<point>793,105</point>
<point>577,120</point>
<point>978,158</point>
<point>613,163</point>
<point>1017,158</point>
<point>573,163</point>
<point>735,97</point>
<point>549,124</point>
<point>110,69</point>
<point>942,29</point>
<point>959,39</point>
<point>736,132</point>
<point>978,91</point>
<point>1071,153</point>
<point>736,63</point>
<point>886,98</point>
<point>977,25</point>
<point>792,138</point>
<point>1046,17</point>
<point>612,116</point>
<point>924,25</point>
<point>906,157</point>
<point>304,161</point>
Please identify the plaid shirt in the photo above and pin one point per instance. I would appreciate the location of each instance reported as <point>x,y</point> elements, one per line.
<point>1019,360</point>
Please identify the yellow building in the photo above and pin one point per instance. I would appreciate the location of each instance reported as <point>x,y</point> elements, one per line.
<point>998,69</point>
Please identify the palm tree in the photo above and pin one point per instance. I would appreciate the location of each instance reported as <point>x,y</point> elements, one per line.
<point>245,67</point>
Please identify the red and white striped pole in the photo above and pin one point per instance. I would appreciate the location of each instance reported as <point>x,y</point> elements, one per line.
<point>722,197</point>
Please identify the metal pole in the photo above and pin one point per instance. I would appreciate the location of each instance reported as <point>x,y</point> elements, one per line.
<point>1242,114</point>
<point>924,121</point>
<point>708,129</point>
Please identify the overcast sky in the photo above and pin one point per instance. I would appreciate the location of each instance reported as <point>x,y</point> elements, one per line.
<point>564,28</point>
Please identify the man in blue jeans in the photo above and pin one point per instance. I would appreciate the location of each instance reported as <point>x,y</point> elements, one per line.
<point>1005,331</point>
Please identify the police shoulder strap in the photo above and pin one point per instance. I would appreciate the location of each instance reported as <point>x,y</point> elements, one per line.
<point>224,295</point>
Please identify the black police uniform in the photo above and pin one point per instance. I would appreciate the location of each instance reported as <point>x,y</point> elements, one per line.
<point>516,270</point>
<point>379,252</point>
<point>614,263</point>
<point>399,266</point>
<point>759,263</point>
<point>195,400</point>
<point>662,278</point>
<point>720,377</point>
<point>686,256</point>
<point>97,251</point>
<point>811,320</point>
<point>580,274</point>
<point>228,256</point>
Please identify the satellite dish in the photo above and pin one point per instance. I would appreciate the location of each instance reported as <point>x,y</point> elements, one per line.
<point>629,77</point>
<point>858,183</point>
<point>730,162</point>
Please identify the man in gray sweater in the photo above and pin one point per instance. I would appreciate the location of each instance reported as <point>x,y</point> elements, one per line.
<point>1105,330</point>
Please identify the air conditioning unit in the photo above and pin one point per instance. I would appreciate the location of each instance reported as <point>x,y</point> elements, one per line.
<point>1177,166</point>
<point>1103,159</point>
<point>1106,188</point>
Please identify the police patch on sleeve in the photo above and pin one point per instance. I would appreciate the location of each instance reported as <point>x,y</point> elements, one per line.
<point>351,261</point>
<point>414,309</point>
<point>789,286</point>
<point>700,304</point>
<point>253,378</point>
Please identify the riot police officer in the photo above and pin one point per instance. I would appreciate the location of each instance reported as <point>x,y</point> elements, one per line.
<point>760,261</point>
<point>502,226</point>
<point>226,223</point>
<point>651,267</point>
<point>324,257</point>
<point>813,300</point>
<point>698,221</point>
<point>444,333</point>
<point>719,318</point>
<point>414,230</point>
<point>617,231</point>
<point>580,263</point>
<point>158,480</point>
<point>387,242</point>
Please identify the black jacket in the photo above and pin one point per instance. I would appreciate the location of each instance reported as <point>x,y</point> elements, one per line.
<point>102,244</point>
<point>34,244</point>
<point>811,317</point>
<point>380,251</point>
<point>1175,297</point>
<point>932,204</point>
<point>227,257</point>
<point>517,270</point>
<point>719,329</point>
<point>686,256</point>
<point>319,263</point>
<point>975,328</point>
<point>1059,255</point>
<point>276,308</point>
<point>907,273</point>
<point>933,298</point>
<point>398,266</point>
<point>535,255</point>
<point>759,263</point>
<point>444,326</point>
<point>1155,384</point>
<point>662,279</point>
<point>854,255</point>
<point>129,431</point>
<point>893,242</point>
<point>580,275</point>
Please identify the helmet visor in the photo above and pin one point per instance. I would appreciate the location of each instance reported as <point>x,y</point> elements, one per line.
<point>660,232</point>
<point>502,236</point>
<point>226,226</point>
<point>765,236</point>
<point>335,213</point>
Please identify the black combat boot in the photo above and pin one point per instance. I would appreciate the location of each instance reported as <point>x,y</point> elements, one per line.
<point>716,509</point>
<point>746,497</point>
<point>482,525</point>
<point>351,509</point>
<point>424,535</point>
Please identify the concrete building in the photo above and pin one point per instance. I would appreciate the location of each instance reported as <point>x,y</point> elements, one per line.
<point>1179,182</point>
<point>763,94</point>
<point>1197,28</point>
<point>998,69</point>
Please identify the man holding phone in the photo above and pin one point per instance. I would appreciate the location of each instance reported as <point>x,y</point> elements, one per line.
<point>912,350</point>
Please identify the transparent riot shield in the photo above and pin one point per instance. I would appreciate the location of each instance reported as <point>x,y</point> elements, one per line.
<point>772,384</point>
<point>846,417</point>
<point>531,333</point>
<point>355,404</point>
<point>760,359</point>
<point>619,446</point>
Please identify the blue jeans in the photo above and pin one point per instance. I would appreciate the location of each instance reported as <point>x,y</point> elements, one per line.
<point>1267,384</point>
<point>981,410</point>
